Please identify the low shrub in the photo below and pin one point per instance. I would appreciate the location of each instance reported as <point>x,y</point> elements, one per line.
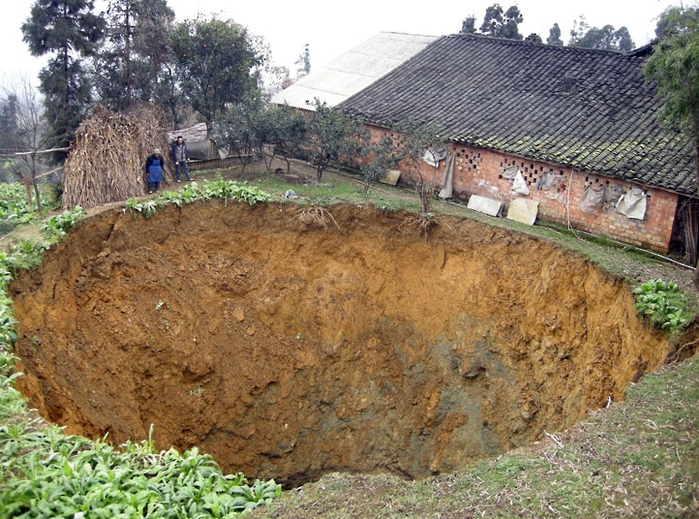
<point>222,189</point>
<point>55,227</point>
<point>49,474</point>
<point>663,303</point>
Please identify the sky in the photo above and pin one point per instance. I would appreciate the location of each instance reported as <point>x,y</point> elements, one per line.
<point>288,25</point>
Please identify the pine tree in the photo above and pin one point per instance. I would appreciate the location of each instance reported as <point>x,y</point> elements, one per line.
<point>128,66</point>
<point>69,31</point>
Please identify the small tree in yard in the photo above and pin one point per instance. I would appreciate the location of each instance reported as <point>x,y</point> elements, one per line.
<point>28,124</point>
<point>238,128</point>
<point>385,157</point>
<point>69,31</point>
<point>417,139</point>
<point>216,60</point>
<point>331,136</point>
<point>284,130</point>
<point>674,64</point>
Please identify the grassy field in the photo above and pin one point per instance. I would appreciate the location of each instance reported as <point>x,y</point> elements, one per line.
<point>637,458</point>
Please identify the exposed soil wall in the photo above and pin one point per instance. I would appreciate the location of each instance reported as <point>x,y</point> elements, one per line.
<point>290,344</point>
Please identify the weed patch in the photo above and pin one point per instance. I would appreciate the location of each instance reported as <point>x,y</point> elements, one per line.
<point>221,189</point>
<point>663,303</point>
<point>49,474</point>
<point>55,227</point>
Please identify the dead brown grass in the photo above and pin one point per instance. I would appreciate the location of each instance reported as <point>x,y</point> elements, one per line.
<point>317,216</point>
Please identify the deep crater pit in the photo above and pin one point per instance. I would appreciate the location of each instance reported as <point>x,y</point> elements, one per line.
<point>289,346</point>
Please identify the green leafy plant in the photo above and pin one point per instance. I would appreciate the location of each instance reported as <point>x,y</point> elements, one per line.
<point>222,189</point>
<point>49,474</point>
<point>14,207</point>
<point>55,227</point>
<point>24,254</point>
<point>148,207</point>
<point>663,303</point>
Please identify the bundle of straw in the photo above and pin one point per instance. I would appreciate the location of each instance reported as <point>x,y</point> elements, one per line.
<point>107,160</point>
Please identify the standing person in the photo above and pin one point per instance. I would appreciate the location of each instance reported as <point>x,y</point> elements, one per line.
<point>179,155</point>
<point>154,170</point>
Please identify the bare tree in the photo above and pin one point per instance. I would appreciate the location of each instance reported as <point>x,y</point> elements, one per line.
<point>28,126</point>
<point>418,139</point>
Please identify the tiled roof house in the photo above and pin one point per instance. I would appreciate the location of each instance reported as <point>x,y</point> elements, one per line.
<point>573,121</point>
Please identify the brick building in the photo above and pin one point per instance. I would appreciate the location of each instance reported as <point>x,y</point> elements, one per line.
<point>579,126</point>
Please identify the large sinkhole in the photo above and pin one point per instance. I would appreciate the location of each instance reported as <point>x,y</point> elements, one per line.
<point>289,344</point>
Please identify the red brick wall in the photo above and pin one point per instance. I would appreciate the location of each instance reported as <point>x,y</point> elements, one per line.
<point>478,171</point>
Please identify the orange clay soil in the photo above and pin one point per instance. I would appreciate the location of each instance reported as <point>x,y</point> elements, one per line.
<point>289,344</point>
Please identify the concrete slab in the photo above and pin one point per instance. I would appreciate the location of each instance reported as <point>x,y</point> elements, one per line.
<point>391,178</point>
<point>484,205</point>
<point>523,211</point>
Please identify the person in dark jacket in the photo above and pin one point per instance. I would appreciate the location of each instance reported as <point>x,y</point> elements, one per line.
<point>154,169</point>
<point>180,156</point>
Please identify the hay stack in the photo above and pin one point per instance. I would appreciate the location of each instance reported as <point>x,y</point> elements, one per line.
<point>107,160</point>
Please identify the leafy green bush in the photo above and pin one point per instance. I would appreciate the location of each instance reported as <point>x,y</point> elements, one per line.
<point>16,210</point>
<point>13,200</point>
<point>25,254</point>
<point>223,189</point>
<point>49,474</point>
<point>55,227</point>
<point>663,303</point>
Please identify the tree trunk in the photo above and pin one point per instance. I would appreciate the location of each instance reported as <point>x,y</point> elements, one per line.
<point>268,157</point>
<point>38,198</point>
<point>695,130</point>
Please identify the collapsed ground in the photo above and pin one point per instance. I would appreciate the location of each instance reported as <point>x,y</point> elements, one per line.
<point>291,342</point>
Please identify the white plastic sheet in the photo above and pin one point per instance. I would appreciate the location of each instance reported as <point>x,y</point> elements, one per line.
<point>633,204</point>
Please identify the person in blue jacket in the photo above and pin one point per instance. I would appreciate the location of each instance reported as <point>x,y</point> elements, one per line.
<point>180,156</point>
<point>154,169</point>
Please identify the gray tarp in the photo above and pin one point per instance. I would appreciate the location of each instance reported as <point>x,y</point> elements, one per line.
<point>519,185</point>
<point>448,180</point>
<point>433,156</point>
<point>510,172</point>
<point>592,198</point>
<point>633,204</point>
<point>553,184</point>
<point>611,196</point>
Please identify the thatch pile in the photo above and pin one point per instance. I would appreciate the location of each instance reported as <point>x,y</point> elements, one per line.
<point>107,161</point>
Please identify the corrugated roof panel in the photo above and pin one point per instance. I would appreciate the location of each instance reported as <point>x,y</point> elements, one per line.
<point>354,70</point>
